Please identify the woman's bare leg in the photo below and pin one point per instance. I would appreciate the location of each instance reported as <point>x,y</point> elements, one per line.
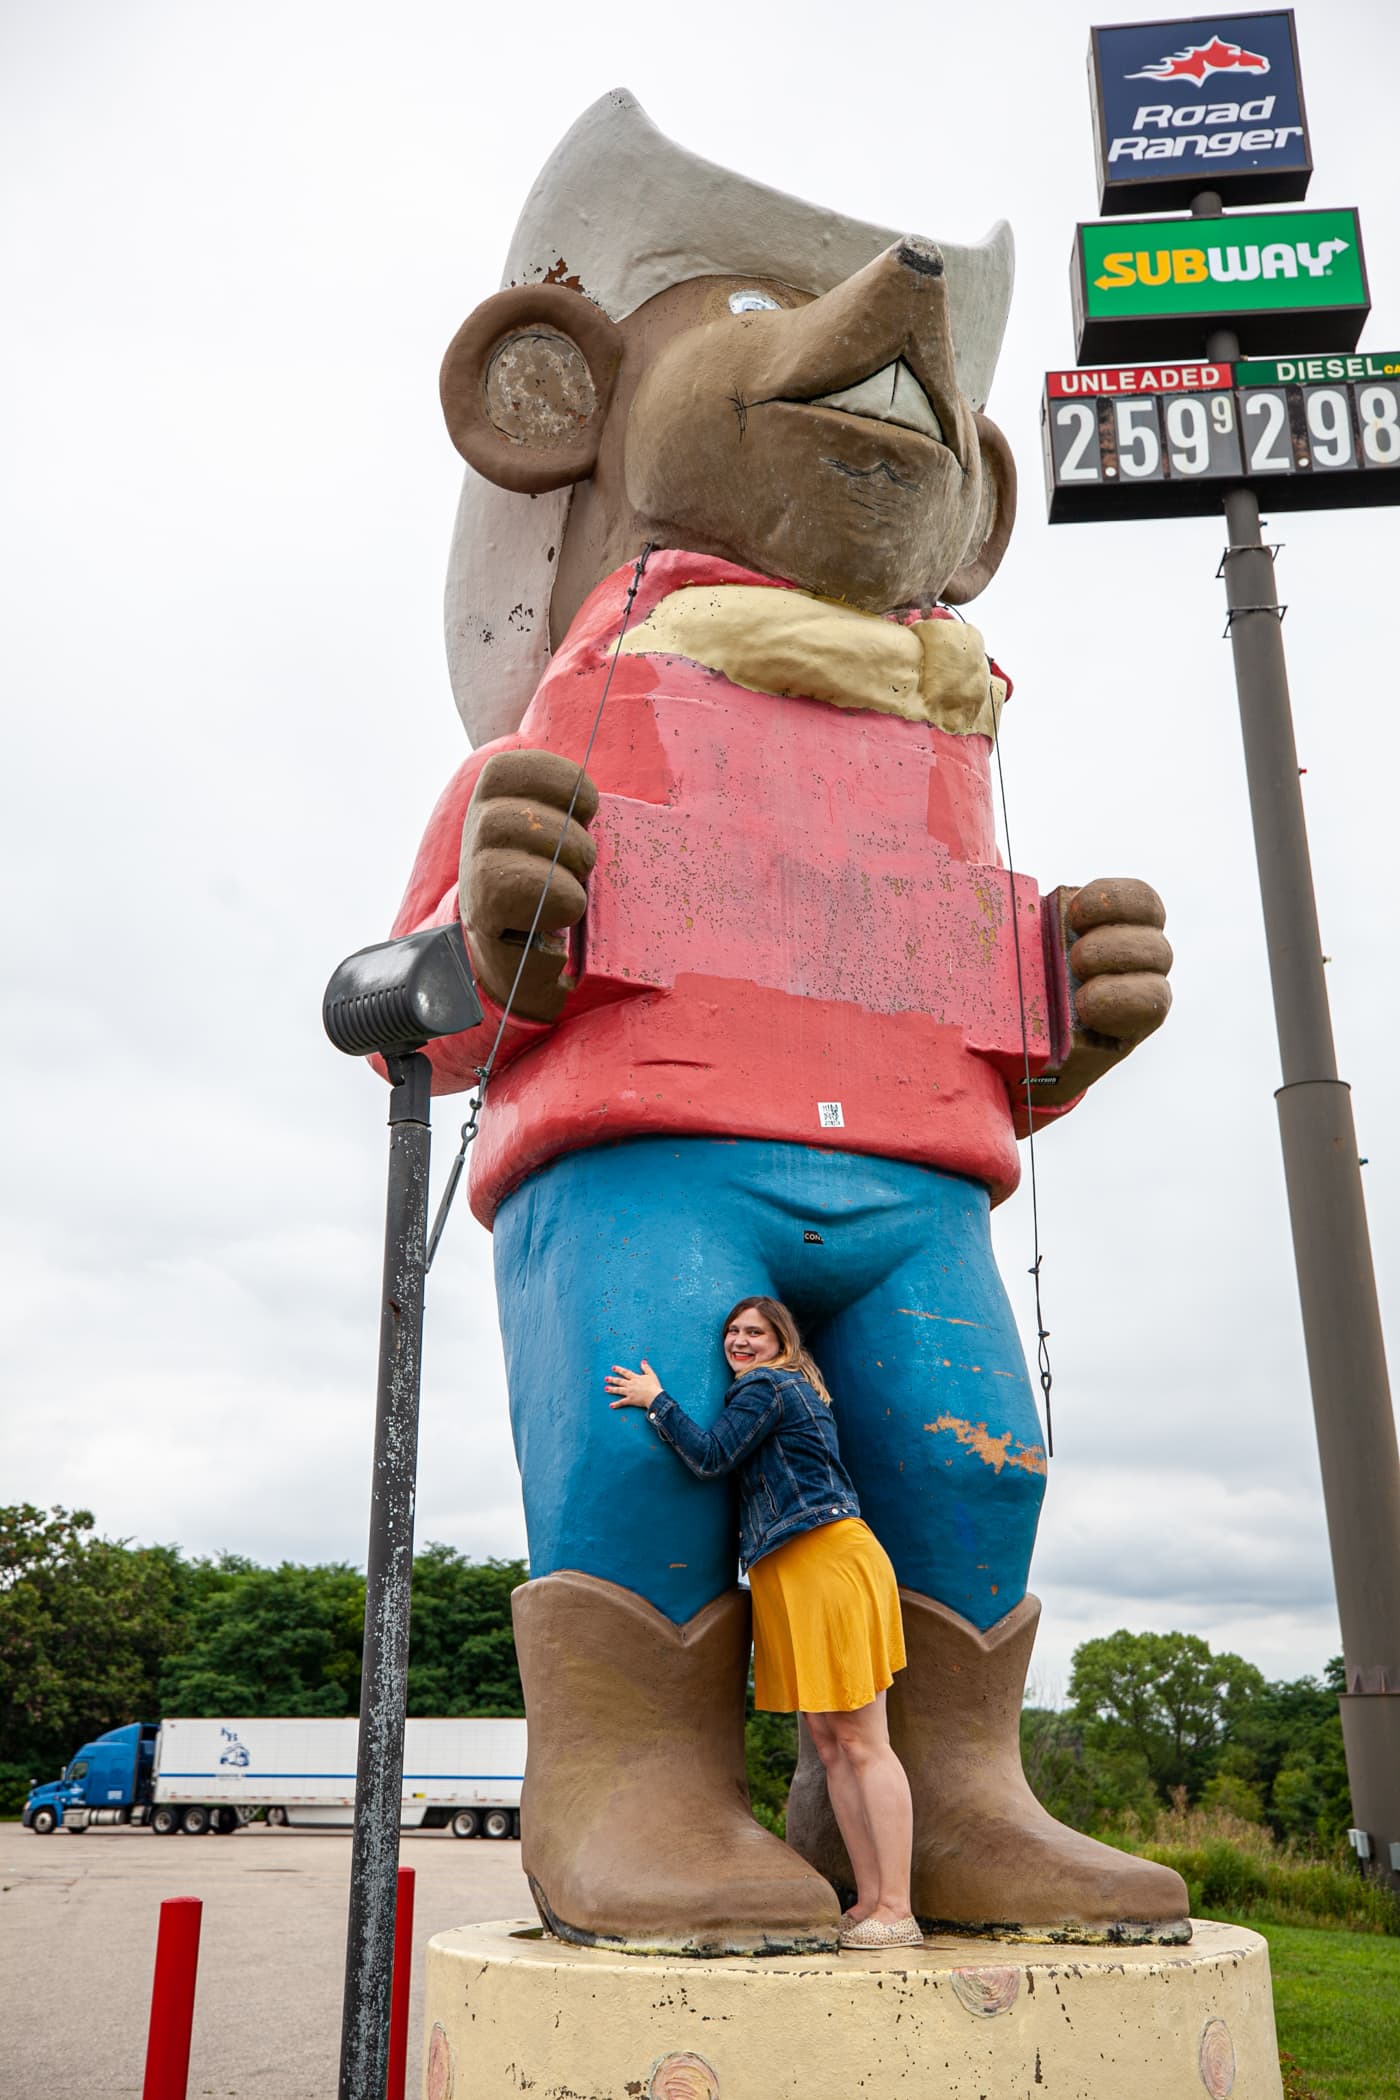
<point>868,1789</point>
<point>848,1807</point>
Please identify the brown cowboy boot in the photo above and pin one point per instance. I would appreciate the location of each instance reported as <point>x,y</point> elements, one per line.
<point>987,1856</point>
<point>635,1823</point>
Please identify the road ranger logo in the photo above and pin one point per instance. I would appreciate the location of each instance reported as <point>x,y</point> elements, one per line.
<point>1237,263</point>
<point>1199,59</point>
<point>1203,131</point>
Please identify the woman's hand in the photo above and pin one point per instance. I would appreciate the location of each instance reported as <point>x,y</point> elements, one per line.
<point>633,1388</point>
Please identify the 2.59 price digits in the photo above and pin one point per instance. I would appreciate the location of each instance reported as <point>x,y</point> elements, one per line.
<point>1145,437</point>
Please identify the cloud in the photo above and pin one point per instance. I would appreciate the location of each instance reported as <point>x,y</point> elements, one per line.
<point>1214,1543</point>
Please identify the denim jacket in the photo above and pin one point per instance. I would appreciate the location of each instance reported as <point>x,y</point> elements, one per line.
<point>777,1434</point>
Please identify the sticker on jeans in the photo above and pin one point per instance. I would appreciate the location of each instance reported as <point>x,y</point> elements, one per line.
<point>830,1116</point>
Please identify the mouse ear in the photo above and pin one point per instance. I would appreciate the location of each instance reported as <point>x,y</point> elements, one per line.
<point>995,517</point>
<point>526,384</point>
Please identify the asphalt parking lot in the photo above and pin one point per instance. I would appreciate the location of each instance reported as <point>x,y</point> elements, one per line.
<point>78,1922</point>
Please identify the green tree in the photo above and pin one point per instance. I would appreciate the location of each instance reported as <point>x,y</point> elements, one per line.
<point>770,1758</point>
<point>1166,1696</point>
<point>1288,1743</point>
<point>84,1623</point>
<point>36,1541</point>
<point>461,1657</point>
<point>1086,1785</point>
<point>288,1640</point>
<point>284,1640</point>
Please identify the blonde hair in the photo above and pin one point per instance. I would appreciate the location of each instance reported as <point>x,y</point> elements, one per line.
<point>791,1353</point>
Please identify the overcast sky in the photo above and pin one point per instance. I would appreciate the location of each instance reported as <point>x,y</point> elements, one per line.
<point>237,244</point>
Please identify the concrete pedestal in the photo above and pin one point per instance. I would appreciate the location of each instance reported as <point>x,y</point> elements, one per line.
<point>511,2013</point>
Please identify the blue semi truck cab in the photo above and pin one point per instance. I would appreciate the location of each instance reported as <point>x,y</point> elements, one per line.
<point>108,1781</point>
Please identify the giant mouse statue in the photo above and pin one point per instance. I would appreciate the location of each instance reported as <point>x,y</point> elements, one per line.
<point>775,1032</point>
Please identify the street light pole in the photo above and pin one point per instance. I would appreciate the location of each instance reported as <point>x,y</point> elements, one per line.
<point>1327,1209</point>
<point>389,1001</point>
<point>369,1941</point>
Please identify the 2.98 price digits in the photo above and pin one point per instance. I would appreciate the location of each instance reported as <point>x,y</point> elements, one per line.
<point>1321,427</point>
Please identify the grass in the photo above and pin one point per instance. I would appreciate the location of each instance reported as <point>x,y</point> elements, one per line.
<point>1236,1869</point>
<point>1337,2004</point>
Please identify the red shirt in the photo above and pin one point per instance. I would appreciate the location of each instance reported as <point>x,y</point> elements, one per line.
<point>798,928</point>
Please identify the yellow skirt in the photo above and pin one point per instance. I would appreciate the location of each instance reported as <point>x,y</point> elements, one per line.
<point>827,1634</point>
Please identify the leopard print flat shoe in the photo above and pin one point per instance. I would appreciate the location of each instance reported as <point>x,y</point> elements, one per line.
<point>874,1932</point>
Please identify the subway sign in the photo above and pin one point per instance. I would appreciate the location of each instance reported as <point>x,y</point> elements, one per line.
<point>1158,287</point>
<point>1160,441</point>
<point>1213,103</point>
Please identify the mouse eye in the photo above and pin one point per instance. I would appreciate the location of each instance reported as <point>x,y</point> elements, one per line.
<point>750,302</point>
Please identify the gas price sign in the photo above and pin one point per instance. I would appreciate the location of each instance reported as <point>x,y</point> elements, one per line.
<point>1145,441</point>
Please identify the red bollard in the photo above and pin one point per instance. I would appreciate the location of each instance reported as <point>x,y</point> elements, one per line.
<point>403,1977</point>
<point>172,1999</point>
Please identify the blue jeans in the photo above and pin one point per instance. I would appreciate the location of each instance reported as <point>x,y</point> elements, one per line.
<point>639,1249</point>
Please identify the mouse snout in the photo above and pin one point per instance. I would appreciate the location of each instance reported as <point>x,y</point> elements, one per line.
<point>919,255</point>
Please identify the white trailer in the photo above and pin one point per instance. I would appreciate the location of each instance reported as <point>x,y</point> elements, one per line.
<point>465,1775</point>
<point>197,1775</point>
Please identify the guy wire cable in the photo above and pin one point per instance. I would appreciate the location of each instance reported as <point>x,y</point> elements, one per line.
<point>1042,1332</point>
<point>483,1072</point>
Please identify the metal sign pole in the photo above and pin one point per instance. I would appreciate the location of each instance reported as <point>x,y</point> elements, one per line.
<point>1332,1251</point>
<point>369,1950</point>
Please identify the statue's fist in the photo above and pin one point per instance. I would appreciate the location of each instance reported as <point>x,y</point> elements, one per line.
<point>1117,958</point>
<point>513,824</point>
<point>1120,960</point>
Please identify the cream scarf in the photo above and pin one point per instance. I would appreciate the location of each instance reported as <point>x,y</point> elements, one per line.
<point>786,643</point>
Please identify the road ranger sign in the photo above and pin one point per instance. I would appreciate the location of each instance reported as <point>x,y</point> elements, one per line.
<point>1215,102</point>
<point>1157,287</point>
<point>1119,447</point>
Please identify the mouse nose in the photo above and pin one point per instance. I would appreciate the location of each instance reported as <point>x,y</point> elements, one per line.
<point>924,257</point>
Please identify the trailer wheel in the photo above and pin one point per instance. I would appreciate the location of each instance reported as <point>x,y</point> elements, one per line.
<point>276,1818</point>
<point>223,1821</point>
<point>466,1823</point>
<point>164,1820</point>
<point>497,1823</point>
<point>44,1822</point>
<point>195,1821</point>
